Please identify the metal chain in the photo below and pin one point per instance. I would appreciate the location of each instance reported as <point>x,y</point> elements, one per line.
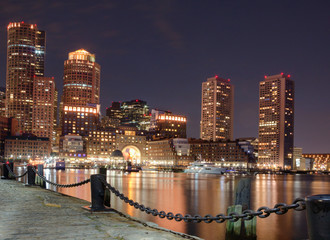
<point>62,185</point>
<point>298,204</point>
<point>12,173</point>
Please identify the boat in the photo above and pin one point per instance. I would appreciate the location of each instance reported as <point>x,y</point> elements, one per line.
<point>132,169</point>
<point>60,165</point>
<point>204,167</point>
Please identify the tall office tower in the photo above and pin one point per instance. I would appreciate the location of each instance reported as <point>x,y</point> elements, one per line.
<point>136,113</point>
<point>217,113</point>
<point>114,114</point>
<point>43,107</point>
<point>81,79</point>
<point>24,46</point>
<point>276,121</point>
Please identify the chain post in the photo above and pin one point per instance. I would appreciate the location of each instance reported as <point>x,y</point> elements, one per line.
<point>97,194</point>
<point>103,170</point>
<point>318,216</point>
<point>6,171</point>
<point>39,180</point>
<point>31,176</point>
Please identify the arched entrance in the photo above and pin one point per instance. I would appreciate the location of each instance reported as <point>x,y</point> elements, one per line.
<point>132,154</point>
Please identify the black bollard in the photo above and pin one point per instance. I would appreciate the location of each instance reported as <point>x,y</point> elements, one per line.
<point>5,171</point>
<point>97,194</point>
<point>107,196</point>
<point>39,180</point>
<point>318,216</point>
<point>31,176</point>
<point>103,171</point>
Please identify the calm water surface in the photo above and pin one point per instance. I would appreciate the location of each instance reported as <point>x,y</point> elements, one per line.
<point>203,194</point>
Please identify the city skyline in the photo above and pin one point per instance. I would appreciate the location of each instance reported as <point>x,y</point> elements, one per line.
<point>150,74</point>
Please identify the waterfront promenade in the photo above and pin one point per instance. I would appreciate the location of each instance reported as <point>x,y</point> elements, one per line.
<point>36,213</point>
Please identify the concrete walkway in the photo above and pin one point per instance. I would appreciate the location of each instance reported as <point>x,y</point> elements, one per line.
<point>35,213</point>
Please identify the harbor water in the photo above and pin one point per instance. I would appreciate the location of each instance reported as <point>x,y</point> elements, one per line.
<point>202,194</point>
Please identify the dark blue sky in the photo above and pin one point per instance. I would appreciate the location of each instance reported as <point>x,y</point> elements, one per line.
<point>161,52</point>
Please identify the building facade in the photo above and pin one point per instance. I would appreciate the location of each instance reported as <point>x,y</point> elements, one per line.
<point>8,127</point>
<point>43,107</point>
<point>114,115</point>
<point>100,144</point>
<point>321,160</point>
<point>276,121</point>
<point>2,101</point>
<point>72,150</point>
<point>169,152</point>
<point>25,59</point>
<point>165,124</point>
<point>224,153</point>
<point>26,147</point>
<point>217,109</point>
<point>80,120</point>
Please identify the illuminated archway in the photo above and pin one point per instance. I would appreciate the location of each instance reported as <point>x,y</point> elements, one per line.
<point>132,153</point>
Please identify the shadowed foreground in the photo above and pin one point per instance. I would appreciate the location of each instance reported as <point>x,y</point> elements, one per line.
<point>35,213</point>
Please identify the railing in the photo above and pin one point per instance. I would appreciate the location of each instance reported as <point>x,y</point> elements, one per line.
<point>318,206</point>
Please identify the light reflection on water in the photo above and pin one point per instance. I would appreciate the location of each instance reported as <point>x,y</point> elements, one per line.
<point>202,194</point>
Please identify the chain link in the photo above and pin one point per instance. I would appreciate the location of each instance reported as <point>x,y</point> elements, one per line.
<point>298,204</point>
<point>62,185</point>
<point>12,173</point>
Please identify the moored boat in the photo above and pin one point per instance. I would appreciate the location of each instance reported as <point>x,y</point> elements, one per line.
<point>204,167</point>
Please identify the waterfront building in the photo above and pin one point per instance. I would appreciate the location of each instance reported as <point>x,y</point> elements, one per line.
<point>276,121</point>
<point>8,127</point>
<point>80,120</point>
<point>100,144</point>
<point>169,152</point>
<point>223,153</point>
<point>72,151</point>
<point>217,109</point>
<point>25,59</point>
<point>321,160</point>
<point>81,81</point>
<point>165,124</point>
<point>132,143</point>
<point>26,147</point>
<point>2,101</point>
<point>135,113</point>
<point>43,107</point>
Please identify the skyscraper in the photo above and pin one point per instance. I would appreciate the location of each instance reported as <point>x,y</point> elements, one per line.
<point>135,113</point>
<point>276,121</point>
<point>217,113</point>
<point>25,52</point>
<point>81,94</point>
<point>43,107</point>
<point>81,79</point>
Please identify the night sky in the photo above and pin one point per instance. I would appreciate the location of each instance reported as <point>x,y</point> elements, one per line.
<point>162,51</point>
